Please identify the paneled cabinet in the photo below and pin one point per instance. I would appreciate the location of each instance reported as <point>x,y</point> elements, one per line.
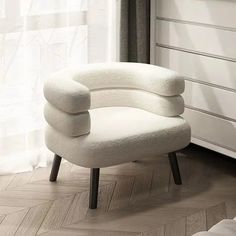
<point>197,38</point>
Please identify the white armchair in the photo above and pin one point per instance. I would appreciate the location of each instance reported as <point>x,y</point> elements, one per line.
<point>106,114</point>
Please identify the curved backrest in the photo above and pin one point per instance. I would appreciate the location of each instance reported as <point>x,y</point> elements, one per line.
<point>148,87</point>
<point>139,76</point>
<point>164,106</point>
<point>143,86</point>
<point>137,85</point>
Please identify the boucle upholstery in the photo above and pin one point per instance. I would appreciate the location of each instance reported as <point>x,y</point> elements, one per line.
<point>120,134</point>
<point>68,124</point>
<point>67,95</point>
<point>165,106</point>
<point>105,114</point>
<point>146,77</point>
<point>225,227</point>
<point>69,90</point>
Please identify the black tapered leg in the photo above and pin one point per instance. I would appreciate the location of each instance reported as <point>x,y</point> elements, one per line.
<point>175,168</point>
<point>94,183</point>
<point>55,168</point>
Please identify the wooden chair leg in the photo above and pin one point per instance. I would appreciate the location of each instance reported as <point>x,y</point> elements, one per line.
<point>94,184</point>
<point>55,168</point>
<point>175,168</point>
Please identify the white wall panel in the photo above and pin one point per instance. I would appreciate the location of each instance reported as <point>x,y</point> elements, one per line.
<point>210,99</point>
<point>214,12</point>
<point>197,38</point>
<point>213,129</point>
<point>200,68</point>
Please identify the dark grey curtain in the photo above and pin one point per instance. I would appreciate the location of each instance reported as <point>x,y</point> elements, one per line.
<point>135,31</point>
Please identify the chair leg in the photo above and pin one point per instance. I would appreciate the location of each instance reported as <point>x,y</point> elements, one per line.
<point>55,168</point>
<point>94,183</point>
<point>175,168</point>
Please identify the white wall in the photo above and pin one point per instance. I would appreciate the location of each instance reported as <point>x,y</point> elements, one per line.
<point>197,38</point>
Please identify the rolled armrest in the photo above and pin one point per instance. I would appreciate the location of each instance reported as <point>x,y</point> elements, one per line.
<point>66,94</point>
<point>69,124</point>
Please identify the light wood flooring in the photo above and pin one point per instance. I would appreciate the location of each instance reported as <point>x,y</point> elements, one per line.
<point>135,198</point>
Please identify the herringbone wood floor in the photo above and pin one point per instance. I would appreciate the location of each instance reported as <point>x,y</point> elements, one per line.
<point>134,199</point>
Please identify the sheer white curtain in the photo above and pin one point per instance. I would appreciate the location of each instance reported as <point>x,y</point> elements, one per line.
<point>37,38</point>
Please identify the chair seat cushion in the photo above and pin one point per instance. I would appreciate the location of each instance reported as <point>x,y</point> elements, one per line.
<point>119,135</point>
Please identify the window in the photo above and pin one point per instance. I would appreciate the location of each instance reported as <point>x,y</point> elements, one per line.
<point>38,38</point>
